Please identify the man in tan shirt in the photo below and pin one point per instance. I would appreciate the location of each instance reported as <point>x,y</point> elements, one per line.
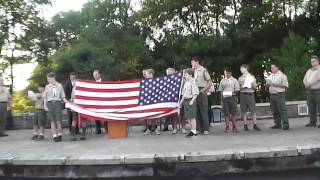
<point>203,81</point>
<point>311,82</point>
<point>277,83</point>
<point>5,99</point>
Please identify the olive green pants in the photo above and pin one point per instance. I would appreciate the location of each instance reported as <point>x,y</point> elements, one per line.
<point>202,113</point>
<point>279,109</point>
<point>3,117</point>
<point>313,105</point>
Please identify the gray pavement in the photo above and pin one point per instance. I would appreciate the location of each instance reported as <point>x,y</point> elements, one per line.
<point>17,148</point>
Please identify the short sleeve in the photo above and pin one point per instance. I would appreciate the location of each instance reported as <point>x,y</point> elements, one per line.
<point>206,75</point>
<point>254,81</point>
<point>285,81</point>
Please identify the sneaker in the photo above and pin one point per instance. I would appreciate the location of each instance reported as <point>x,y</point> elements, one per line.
<point>174,131</point>
<point>157,132</point>
<point>255,127</point>
<point>191,134</point>
<point>148,132</point>
<point>206,133</point>
<point>73,138</point>
<point>234,129</point>
<point>275,127</point>
<point>246,127</point>
<point>34,137</point>
<point>311,125</point>
<point>183,130</point>
<point>40,138</point>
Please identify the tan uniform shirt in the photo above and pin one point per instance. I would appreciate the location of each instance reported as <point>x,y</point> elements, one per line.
<point>190,89</point>
<point>311,75</point>
<point>230,84</point>
<point>242,80</point>
<point>39,103</point>
<point>201,76</point>
<point>54,92</point>
<point>4,95</point>
<point>278,78</point>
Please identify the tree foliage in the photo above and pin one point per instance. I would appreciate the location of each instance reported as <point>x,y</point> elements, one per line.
<point>109,35</point>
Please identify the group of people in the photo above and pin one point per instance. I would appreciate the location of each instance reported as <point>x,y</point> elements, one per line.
<point>194,103</point>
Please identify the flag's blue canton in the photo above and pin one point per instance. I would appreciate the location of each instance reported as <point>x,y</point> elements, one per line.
<point>160,89</point>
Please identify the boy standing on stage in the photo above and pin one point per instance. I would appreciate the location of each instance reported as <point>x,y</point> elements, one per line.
<point>53,97</point>
<point>39,117</point>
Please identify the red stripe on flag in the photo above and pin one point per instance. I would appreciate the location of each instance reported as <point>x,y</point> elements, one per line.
<point>109,82</point>
<point>106,98</point>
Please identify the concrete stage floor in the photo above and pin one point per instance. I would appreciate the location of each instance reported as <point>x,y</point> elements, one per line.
<point>18,150</point>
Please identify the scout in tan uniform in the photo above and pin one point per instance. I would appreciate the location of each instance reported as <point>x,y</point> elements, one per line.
<point>228,88</point>
<point>248,86</point>
<point>53,97</point>
<point>190,92</point>
<point>311,82</point>
<point>277,83</point>
<point>5,105</point>
<point>39,117</point>
<point>203,81</point>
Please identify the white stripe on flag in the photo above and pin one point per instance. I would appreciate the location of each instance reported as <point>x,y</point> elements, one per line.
<point>104,95</point>
<point>107,86</point>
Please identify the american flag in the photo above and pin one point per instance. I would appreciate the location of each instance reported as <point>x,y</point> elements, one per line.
<point>127,100</point>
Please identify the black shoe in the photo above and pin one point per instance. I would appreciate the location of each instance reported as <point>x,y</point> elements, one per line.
<point>255,127</point>
<point>246,127</point>
<point>40,138</point>
<point>4,135</point>
<point>55,139</point>
<point>34,137</point>
<point>98,131</point>
<point>82,138</point>
<point>285,128</point>
<point>311,125</point>
<point>191,134</point>
<point>59,138</point>
<point>227,129</point>
<point>275,127</point>
<point>165,129</point>
<point>73,138</point>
